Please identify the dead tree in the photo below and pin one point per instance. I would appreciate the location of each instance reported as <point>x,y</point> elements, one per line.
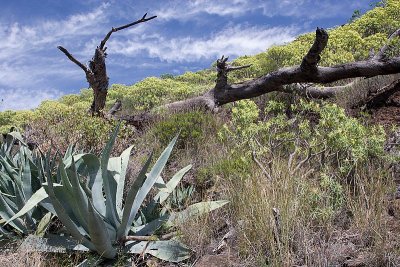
<point>96,72</point>
<point>301,78</point>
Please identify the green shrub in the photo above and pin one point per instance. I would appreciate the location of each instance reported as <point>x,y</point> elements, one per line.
<point>190,125</point>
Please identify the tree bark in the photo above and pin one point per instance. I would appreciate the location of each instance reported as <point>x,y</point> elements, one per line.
<point>96,72</point>
<point>300,78</point>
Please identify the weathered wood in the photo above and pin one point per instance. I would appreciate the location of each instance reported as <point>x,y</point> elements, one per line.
<point>298,77</point>
<point>96,72</point>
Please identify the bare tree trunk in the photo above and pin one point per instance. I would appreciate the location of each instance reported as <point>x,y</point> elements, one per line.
<point>96,72</point>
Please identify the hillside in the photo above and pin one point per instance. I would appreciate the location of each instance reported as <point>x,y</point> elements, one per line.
<point>309,182</point>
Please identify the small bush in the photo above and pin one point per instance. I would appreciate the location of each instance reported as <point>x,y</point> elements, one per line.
<point>190,125</point>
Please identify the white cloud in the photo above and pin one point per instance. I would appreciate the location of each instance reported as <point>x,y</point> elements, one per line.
<point>24,99</point>
<point>306,9</point>
<point>29,58</point>
<point>189,10</point>
<point>19,40</point>
<point>233,41</point>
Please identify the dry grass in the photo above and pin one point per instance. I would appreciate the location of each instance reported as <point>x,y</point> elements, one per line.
<point>361,88</point>
<point>361,230</point>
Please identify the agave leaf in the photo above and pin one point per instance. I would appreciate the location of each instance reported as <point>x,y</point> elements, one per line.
<point>16,135</point>
<point>7,195</point>
<point>19,196</point>
<point>6,182</point>
<point>111,212</point>
<point>97,194</point>
<point>98,234</point>
<point>68,198</point>
<point>6,213</point>
<point>87,165</point>
<point>151,227</point>
<point>80,198</point>
<point>27,178</point>
<point>127,220</point>
<point>10,170</point>
<point>151,179</point>
<point>43,224</point>
<point>171,185</point>
<point>160,184</point>
<point>35,199</point>
<point>120,178</point>
<point>194,210</point>
<point>167,250</point>
<point>71,207</point>
<point>63,216</point>
<point>69,152</point>
<point>9,142</point>
<point>61,171</point>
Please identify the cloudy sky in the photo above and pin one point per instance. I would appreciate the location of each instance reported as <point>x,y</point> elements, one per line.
<point>187,35</point>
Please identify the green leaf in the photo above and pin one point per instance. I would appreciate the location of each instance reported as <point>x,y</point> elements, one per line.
<point>151,227</point>
<point>44,224</point>
<point>80,197</point>
<point>10,170</point>
<point>171,185</point>
<point>90,166</point>
<point>16,135</point>
<point>111,212</point>
<point>124,161</point>
<point>126,220</point>
<point>98,234</point>
<point>6,213</point>
<point>151,179</point>
<point>195,210</point>
<point>63,216</point>
<point>27,178</point>
<point>35,199</point>
<point>167,250</point>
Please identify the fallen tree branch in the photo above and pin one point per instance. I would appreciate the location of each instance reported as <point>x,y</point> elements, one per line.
<point>381,54</point>
<point>289,80</point>
<point>377,98</point>
<point>116,107</point>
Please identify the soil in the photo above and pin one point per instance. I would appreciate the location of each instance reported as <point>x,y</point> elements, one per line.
<point>387,111</point>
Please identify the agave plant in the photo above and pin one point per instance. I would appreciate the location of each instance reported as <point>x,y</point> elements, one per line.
<point>88,200</point>
<point>19,179</point>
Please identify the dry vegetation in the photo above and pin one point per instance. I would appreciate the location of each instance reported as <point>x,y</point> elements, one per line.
<point>309,182</point>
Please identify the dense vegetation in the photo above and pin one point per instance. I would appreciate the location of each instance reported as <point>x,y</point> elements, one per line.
<point>307,183</point>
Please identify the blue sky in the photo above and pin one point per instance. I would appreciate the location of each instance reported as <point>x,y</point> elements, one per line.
<point>187,36</point>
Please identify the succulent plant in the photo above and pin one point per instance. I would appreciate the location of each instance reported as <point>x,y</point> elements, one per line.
<point>19,179</point>
<point>88,199</point>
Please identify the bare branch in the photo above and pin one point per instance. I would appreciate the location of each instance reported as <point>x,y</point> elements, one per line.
<point>313,56</point>
<point>232,68</point>
<point>264,171</point>
<point>143,19</point>
<point>223,68</point>
<point>381,54</point>
<point>324,92</point>
<point>77,62</point>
